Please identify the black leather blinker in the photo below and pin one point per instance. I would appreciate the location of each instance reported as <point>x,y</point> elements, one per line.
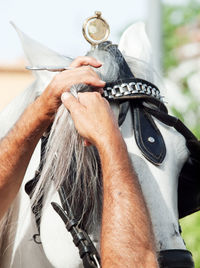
<point>148,136</point>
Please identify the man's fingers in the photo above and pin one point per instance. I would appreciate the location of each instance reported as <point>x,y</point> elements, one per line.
<point>71,103</point>
<point>80,61</point>
<point>86,143</point>
<point>93,81</point>
<point>100,90</point>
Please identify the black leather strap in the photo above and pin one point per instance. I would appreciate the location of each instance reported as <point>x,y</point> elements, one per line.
<point>30,188</point>
<point>172,121</point>
<point>82,241</point>
<point>175,258</point>
<point>124,70</point>
<point>148,136</point>
<point>123,109</point>
<point>189,182</point>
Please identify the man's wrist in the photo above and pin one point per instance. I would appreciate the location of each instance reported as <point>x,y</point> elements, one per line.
<point>47,106</point>
<point>113,140</point>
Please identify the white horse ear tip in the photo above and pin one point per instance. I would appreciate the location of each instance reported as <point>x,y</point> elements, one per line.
<point>16,28</point>
<point>13,24</point>
<point>140,25</point>
<point>134,42</point>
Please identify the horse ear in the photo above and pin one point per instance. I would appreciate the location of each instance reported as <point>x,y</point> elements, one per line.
<point>40,55</point>
<point>36,54</point>
<point>135,43</point>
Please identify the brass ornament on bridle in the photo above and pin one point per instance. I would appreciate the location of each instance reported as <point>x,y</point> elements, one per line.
<point>96,29</point>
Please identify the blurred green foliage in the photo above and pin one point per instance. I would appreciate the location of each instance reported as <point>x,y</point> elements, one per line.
<point>191,233</point>
<point>175,17</point>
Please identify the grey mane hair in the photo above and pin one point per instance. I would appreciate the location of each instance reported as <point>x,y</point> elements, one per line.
<point>68,161</point>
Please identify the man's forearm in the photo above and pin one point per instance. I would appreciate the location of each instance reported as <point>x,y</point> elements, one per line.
<point>17,147</point>
<point>126,239</point>
<point>16,150</point>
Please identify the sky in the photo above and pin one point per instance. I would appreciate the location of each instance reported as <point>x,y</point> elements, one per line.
<point>58,24</point>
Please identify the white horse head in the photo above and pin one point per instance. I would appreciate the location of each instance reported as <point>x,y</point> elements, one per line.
<point>65,152</point>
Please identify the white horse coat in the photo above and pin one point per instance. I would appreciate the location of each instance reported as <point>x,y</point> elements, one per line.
<point>159,183</point>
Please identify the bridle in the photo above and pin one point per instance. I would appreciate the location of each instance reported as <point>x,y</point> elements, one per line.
<point>128,93</point>
<point>144,100</point>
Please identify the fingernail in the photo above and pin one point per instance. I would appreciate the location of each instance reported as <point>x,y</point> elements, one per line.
<point>84,143</point>
<point>101,90</point>
<point>100,62</point>
<point>65,96</point>
<point>103,82</point>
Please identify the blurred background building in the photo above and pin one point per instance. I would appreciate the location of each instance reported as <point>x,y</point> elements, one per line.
<point>173,28</point>
<point>13,79</point>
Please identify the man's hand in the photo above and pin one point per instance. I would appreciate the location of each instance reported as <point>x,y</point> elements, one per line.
<point>93,117</point>
<point>81,74</point>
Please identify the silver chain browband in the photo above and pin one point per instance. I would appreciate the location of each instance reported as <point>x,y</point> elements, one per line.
<point>135,86</point>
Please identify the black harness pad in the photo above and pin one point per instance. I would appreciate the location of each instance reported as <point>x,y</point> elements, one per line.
<point>189,177</point>
<point>189,182</point>
<point>175,258</point>
<point>148,136</point>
